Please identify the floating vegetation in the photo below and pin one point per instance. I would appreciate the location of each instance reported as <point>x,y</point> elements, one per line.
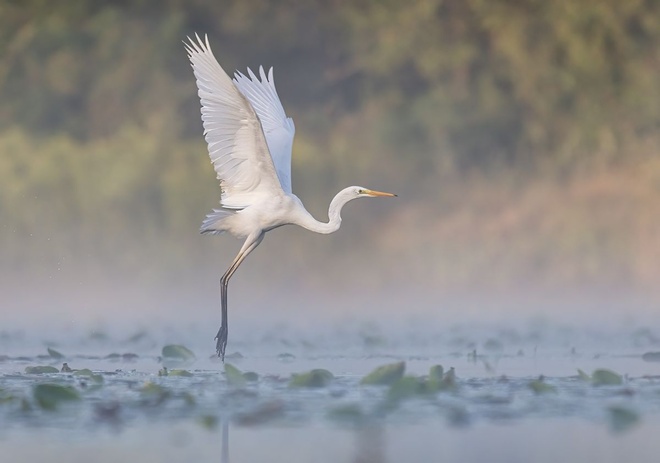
<point>539,386</point>
<point>174,372</point>
<point>603,377</point>
<point>50,396</point>
<point>41,370</point>
<point>289,390</point>
<point>314,378</point>
<point>234,376</point>
<point>385,374</point>
<point>177,352</point>
<point>582,376</point>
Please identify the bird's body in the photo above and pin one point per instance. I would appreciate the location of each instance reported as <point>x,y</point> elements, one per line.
<point>249,139</point>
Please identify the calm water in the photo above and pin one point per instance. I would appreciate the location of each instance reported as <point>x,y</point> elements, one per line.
<point>127,412</point>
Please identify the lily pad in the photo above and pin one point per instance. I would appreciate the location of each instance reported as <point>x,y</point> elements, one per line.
<point>603,377</point>
<point>40,370</point>
<point>436,373</point>
<point>234,376</point>
<point>177,352</point>
<point>314,378</point>
<point>448,382</point>
<point>385,374</point>
<point>50,396</point>
<point>405,387</point>
<point>539,386</point>
<point>154,394</point>
<point>582,376</point>
<point>177,372</point>
<point>87,373</point>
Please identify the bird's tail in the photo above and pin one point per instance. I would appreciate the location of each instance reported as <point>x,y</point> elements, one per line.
<point>213,223</point>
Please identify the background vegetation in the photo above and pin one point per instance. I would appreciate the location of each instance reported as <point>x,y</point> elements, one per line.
<point>523,138</point>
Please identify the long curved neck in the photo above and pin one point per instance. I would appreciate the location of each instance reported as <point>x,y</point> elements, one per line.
<point>334,214</point>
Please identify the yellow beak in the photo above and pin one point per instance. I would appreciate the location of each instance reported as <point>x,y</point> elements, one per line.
<point>377,193</point>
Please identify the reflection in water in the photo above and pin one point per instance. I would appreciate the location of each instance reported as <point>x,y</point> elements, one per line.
<point>370,445</point>
<point>224,458</point>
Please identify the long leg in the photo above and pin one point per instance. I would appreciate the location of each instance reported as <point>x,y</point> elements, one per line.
<point>250,244</point>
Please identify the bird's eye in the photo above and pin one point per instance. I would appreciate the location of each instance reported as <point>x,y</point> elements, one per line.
<point>360,191</point>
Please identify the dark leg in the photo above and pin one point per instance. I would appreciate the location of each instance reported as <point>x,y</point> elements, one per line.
<point>250,244</point>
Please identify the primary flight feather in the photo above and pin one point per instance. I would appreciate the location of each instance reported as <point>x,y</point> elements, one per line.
<point>249,141</point>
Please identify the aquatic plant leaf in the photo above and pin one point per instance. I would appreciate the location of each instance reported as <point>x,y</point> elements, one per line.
<point>177,352</point>
<point>651,357</point>
<point>40,370</point>
<point>405,387</point>
<point>539,386</point>
<point>234,376</point>
<point>55,354</point>
<point>448,382</point>
<point>50,396</point>
<point>154,394</point>
<point>314,378</point>
<point>87,373</point>
<point>622,419</point>
<point>582,376</point>
<point>385,374</point>
<point>177,372</point>
<point>603,377</point>
<point>436,373</point>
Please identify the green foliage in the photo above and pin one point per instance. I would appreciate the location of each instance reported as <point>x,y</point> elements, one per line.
<point>50,396</point>
<point>539,386</point>
<point>314,378</point>
<point>40,370</point>
<point>234,376</point>
<point>385,374</point>
<point>101,139</point>
<point>177,352</point>
<point>604,377</point>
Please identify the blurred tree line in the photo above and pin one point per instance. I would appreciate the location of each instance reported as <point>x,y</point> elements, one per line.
<point>99,122</point>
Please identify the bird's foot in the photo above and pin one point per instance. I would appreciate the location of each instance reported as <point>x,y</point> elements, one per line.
<point>221,345</point>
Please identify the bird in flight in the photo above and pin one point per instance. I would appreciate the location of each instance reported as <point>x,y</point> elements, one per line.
<point>249,141</point>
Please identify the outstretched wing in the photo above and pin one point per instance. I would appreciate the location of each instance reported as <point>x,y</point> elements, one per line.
<point>278,128</point>
<point>235,138</point>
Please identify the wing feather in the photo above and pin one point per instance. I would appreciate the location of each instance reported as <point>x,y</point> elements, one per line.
<point>236,142</point>
<point>278,128</point>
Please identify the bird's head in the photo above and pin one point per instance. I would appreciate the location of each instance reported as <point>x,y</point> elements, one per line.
<point>362,192</point>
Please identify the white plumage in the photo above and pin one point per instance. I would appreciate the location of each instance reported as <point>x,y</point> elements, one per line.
<point>249,141</point>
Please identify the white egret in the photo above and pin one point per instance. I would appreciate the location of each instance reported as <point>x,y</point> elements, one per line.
<point>249,141</point>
